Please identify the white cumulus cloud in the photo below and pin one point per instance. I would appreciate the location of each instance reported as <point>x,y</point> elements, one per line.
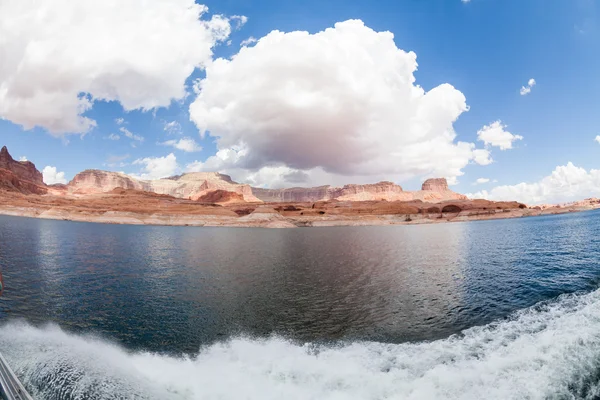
<point>52,176</point>
<point>482,157</point>
<point>249,41</point>
<point>239,20</point>
<point>172,127</point>
<point>597,139</point>
<point>131,135</point>
<point>480,181</point>
<point>113,136</point>
<point>22,158</point>
<point>343,101</point>
<point>186,144</point>
<point>565,183</point>
<point>495,134</point>
<point>156,167</point>
<point>136,52</point>
<point>525,90</point>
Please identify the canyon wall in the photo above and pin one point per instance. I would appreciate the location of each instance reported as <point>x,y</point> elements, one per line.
<point>296,194</point>
<point>189,186</point>
<point>433,190</point>
<point>93,181</point>
<point>20,176</point>
<point>23,169</point>
<point>211,187</point>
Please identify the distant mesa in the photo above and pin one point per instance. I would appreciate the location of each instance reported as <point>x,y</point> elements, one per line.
<point>433,190</point>
<point>212,187</point>
<point>435,184</point>
<point>214,199</point>
<point>192,186</point>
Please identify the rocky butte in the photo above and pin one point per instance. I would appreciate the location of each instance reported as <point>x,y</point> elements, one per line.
<point>214,199</point>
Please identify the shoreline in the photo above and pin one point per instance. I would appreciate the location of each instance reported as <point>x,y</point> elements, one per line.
<point>271,220</point>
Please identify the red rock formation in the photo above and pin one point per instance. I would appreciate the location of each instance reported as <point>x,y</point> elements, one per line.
<point>295,194</point>
<point>434,190</point>
<point>188,186</point>
<point>20,176</point>
<point>93,181</point>
<point>435,184</point>
<point>376,191</point>
<point>221,197</point>
<point>22,169</point>
<point>194,185</point>
<point>108,197</point>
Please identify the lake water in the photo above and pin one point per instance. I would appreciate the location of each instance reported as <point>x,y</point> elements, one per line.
<point>506,309</point>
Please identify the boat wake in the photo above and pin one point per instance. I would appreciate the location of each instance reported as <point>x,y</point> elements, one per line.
<point>551,350</point>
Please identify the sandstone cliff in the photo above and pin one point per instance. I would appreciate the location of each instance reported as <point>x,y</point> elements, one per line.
<point>211,187</point>
<point>21,176</point>
<point>213,199</point>
<point>435,184</point>
<point>433,190</point>
<point>221,197</point>
<point>23,169</point>
<point>93,181</point>
<point>296,194</point>
<point>377,191</point>
<point>387,191</point>
<point>436,190</point>
<point>188,186</point>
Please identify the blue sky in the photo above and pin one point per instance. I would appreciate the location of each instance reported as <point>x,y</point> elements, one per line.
<point>486,49</point>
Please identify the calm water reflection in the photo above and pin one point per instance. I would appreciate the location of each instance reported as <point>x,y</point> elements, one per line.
<point>174,289</point>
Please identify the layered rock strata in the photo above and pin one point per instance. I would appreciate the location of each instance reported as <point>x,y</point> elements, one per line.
<point>191,186</point>
<point>20,176</point>
<point>433,190</point>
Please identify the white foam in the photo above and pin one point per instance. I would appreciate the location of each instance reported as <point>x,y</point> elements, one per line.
<point>550,350</point>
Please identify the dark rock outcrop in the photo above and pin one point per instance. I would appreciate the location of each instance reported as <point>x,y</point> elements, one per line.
<point>20,176</point>
<point>22,169</point>
<point>221,196</point>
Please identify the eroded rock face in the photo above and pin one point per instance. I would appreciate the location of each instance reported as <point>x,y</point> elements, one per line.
<point>296,194</point>
<point>197,184</point>
<point>221,197</point>
<point>213,187</point>
<point>188,186</point>
<point>22,169</point>
<point>388,191</point>
<point>434,190</point>
<point>435,184</point>
<point>376,191</point>
<point>20,176</point>
<point>93,181</point>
